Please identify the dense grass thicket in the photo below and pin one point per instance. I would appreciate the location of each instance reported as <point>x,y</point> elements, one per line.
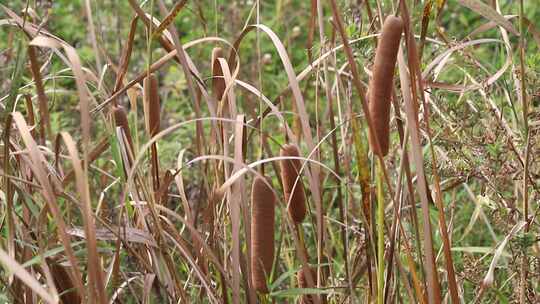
<point>288,151</point>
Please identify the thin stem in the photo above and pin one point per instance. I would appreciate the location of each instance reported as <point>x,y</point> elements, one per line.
<point>525,207</point>
<point>380,232</point>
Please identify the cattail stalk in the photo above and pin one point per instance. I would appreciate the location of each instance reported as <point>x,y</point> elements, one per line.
<point>380,89</point>
<point>292,183</point>
<point>263,203</point>
<point>380,94</point>
<point>380,232</point>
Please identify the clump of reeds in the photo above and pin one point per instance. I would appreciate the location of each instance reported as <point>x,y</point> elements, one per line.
<point>380,89</point>
<point>292,183</point>
<point>263,203</point>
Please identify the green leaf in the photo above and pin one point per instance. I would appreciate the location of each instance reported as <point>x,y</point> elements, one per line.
<point>15,78</point>
<point>489,13</point>
<point>49,253</point>
<point>293,292</point>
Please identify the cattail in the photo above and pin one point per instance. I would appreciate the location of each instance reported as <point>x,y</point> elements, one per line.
<point>218,82</point>
<point>294,190</point>
<point>263,203</point>
<point>121,120</point>
<point>151,104</point>
<point>64,284</point>
<point>152,113</point>
<point>30,113</point>
<point>380,90</point>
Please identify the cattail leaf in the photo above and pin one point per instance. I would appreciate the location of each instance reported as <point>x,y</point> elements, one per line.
<point>489,13</point>
<point>488,279</point>
<point>47,254</point>
<point>293,292</point>
<point>96,281</point>
<point>12,266</point>
<point>37,167</point>
<point>170,17</point>
<point>409,87</point>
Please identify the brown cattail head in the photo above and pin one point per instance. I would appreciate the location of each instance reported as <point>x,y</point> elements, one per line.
<point>294,190</point>
<point>380,89</point>
<point>64,284</point>
<point>218,82</point>
<point>151,104</point>
<point>263,203</point>
<point>121,120</point>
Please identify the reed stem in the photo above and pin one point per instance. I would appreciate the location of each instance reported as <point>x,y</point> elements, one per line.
<point>380,232</point>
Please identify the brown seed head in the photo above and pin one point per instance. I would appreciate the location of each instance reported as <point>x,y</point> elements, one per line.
<point>263,203</point>
<point>218,82</point>
<point>121,120</point>
<point>380,89</point>
<point>294,190</point>
<point>151,104</point>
